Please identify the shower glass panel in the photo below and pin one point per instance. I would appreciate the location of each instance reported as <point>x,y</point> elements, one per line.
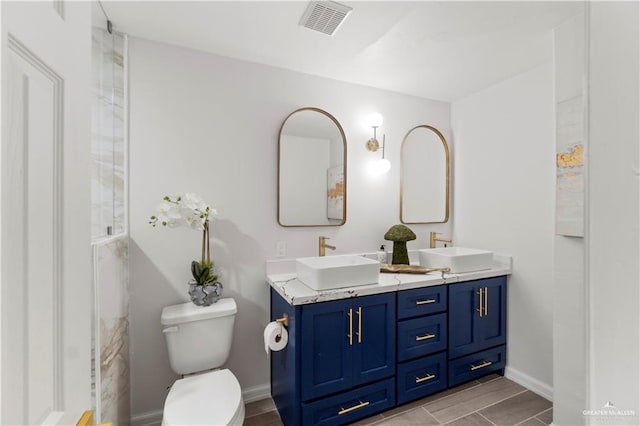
<point>108,135</point>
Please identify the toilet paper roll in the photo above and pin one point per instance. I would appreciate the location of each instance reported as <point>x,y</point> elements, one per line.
<point>275,337</point>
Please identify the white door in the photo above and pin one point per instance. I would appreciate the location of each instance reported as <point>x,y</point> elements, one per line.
<point>45,213</point>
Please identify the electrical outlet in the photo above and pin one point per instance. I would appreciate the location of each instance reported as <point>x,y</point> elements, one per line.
<point>281,249</point>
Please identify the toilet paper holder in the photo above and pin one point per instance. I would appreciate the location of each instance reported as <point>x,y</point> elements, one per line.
<point>283,320</point>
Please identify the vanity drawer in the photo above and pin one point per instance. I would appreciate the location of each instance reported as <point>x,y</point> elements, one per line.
<point>422,301</point>
<point>350,406</point>
<point>477,365</point>
<point>422,377</point>
<point>422,336</point>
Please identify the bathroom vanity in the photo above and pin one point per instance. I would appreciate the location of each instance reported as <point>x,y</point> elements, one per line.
<point>357,351</point>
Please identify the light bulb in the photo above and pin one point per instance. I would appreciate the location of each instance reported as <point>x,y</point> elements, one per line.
<point>375,119</point>
<point>380,167</point>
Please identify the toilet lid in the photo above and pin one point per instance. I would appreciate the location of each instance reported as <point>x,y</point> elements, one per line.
<point>205,399</point>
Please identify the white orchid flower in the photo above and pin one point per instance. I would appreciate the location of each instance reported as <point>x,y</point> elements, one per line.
<point>175,213</point>
<point>193,219</point>
<point>188,210</point>
<point>192,201</point>
<point>164,208</point>
<point>198,226</point>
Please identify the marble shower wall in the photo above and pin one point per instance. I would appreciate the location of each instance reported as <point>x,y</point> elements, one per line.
<point>112,384</point>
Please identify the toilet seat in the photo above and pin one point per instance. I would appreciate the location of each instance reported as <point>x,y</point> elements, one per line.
<point>212,398</point>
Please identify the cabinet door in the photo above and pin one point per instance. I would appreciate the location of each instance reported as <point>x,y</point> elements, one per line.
<point>492,325</point>
<point>326,359</point>
<point>374,354</point>
<point>477,316</point>
<point>464,302</point>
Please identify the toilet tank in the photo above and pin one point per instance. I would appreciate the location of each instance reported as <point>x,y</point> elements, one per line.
<point>198,337</point>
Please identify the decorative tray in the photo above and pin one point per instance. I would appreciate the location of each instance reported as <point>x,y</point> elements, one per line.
<point>409,269</point>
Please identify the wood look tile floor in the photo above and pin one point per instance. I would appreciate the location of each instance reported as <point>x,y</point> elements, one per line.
<point>490,401</point>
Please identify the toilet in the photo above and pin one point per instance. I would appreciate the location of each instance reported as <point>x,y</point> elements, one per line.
<point>199,340</point>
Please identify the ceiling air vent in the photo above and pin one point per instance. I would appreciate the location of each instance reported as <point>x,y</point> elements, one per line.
<point>324,16</point>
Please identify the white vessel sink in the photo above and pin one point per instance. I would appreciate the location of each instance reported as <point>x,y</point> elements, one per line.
<point>323,273</point>
<point>458,259</point>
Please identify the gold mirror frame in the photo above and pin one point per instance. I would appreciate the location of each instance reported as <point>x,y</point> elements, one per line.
<point>448,174</point>
<point>344,168</point>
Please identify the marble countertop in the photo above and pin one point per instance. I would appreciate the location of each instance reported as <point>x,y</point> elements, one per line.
<point>282,277</point>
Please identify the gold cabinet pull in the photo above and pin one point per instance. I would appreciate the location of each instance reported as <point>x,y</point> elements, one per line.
<point>486,303</point>
<point>425,302</point>
<point>425,337</point>
<point>355,407</point>
<point>480,303</point>
<point>359,324</point>
<point>426,378</point>
<point>483,365</point>
<point>350,326</point>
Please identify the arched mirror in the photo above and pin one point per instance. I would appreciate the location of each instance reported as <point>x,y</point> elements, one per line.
<point>312,170</point>
<point>424,185</point>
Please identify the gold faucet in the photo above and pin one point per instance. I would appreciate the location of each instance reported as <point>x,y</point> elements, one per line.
<point>322,245</point>
<point>433,237</point>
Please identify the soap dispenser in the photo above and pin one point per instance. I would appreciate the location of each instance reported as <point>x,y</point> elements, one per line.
<point>382,254</point>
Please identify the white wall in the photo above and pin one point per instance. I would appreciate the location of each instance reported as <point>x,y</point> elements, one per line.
<point>503,201</point>
<point>613,208</point>
<point>596,321</point>
<point>209,125</point>
<point>569,289</point>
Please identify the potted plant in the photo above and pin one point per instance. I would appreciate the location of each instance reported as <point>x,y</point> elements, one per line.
<point>190,211</point>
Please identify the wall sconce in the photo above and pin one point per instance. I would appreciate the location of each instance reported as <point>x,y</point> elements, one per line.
<point>382,165</point>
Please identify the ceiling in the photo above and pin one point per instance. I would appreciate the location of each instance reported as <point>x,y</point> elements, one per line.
<point>442,50</point>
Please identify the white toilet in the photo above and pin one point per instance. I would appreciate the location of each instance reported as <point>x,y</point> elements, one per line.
<point>199,340</point>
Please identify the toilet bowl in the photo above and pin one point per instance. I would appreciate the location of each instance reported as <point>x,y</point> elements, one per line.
<point>199,341</point>
<point>212,398</point>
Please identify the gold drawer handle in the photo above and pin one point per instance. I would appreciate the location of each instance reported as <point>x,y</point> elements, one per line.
<point>350,335</point>
<point>425,302</point>
<point>424,379</point>
<point>486,303</point>
<point>355,407</point>
<point>359,333</point>
<point>481,303</point>
<point>425,337</point>
<point>483,365</point>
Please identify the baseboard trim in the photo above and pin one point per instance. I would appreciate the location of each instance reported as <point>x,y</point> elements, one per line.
<point>534,385</point>
<point>256,393</point>
<point>154,418</point>
<point>150,418</point>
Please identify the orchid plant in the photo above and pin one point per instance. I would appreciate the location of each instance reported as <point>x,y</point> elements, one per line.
<point>192,212</point>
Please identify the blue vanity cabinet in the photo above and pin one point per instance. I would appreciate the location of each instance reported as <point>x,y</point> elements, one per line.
<point>340,362</point>
<point>347,343</point>
<point>477,322</point>
<point>352,358</point>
